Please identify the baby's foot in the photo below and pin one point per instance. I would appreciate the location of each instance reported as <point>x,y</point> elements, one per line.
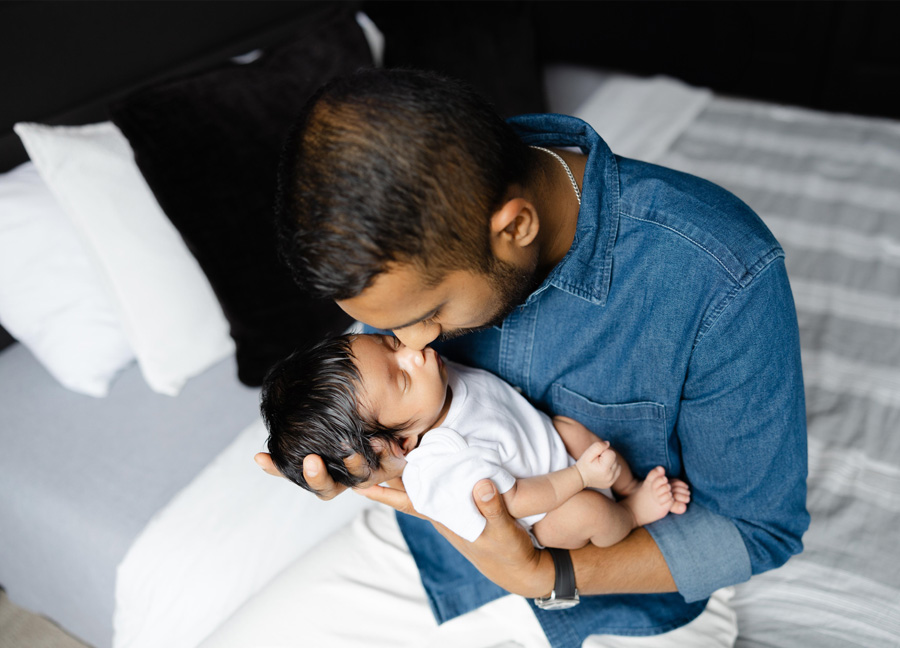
<point>653,500</point>
<point>681,493</point>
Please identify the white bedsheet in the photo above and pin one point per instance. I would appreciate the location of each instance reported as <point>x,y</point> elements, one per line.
<point>218,542</point>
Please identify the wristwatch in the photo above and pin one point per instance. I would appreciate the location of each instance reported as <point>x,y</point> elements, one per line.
<point>564,594</point>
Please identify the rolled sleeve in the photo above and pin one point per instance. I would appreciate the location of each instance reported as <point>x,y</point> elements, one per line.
<point>704,551</point>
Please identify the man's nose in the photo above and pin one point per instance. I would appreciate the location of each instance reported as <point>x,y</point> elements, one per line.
<point>418,336</point>
<point>410,359</point>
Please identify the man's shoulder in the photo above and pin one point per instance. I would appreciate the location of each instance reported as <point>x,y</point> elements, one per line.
<point>714,220</point>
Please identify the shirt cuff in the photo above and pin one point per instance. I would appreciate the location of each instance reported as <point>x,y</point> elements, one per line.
<point>704,551</point>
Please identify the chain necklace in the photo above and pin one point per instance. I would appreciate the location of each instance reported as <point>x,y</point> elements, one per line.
<point>568,171</point>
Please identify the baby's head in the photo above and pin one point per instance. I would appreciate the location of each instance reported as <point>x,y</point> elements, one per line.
<point>355,394</point>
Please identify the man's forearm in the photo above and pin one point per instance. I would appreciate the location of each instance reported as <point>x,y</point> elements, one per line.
<point>633,566</point>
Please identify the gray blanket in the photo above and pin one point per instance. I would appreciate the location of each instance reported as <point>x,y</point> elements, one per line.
<point>80,478</point>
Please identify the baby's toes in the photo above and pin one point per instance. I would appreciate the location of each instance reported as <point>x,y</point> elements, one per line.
<point>680,490</point>
<point>663,492</point>
<point>681,495</point>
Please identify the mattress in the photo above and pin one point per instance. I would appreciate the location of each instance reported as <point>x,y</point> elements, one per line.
<point>88,474</point>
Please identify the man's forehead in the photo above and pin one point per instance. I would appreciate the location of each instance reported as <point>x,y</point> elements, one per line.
<point>397,298</point>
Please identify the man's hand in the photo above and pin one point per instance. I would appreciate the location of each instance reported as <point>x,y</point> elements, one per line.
<point>314,472</point>
<point>503,552</point>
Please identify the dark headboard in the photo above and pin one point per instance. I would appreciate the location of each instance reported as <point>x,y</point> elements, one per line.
<point>834,56</point>
<point>64,62</point>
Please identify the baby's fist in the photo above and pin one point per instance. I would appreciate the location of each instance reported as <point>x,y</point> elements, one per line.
<point>598,466</point>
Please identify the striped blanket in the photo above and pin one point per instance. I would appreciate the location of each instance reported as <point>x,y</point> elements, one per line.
<point>828,186</point>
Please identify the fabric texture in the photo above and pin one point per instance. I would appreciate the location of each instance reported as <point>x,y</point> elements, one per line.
<point>684,353</point>
<point>209,146</point>
<point>170,315</point>
<point>367,567</point>
<point>85,476</point>
<point>52,298</point>
<point>490,432</point>
<point>201,551</point>
<point>828,186</point>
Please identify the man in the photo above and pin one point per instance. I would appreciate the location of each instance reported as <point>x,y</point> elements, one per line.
<point>649,305</point>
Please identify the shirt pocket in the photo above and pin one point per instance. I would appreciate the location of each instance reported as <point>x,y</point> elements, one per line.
<point>637,431</point>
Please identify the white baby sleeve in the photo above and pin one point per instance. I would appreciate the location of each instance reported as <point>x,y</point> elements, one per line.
<point>440,475</point>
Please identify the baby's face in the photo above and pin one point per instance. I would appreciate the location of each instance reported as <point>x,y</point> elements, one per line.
<point>401,386</point>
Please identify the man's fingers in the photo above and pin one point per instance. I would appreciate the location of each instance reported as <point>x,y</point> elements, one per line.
<point>487,501</point>
<point>319,480</point>
<point>396,499</point>
<point>264,461</point>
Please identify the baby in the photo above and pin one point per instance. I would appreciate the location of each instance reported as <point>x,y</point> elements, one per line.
<point>442,427</point>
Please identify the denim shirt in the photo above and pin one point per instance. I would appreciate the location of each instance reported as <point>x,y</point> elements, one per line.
<point>669,329</point>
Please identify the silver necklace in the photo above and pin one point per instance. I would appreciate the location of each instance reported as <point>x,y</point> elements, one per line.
<point>566,167</point>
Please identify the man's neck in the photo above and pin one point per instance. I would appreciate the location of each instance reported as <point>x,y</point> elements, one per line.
<point>557,206</point>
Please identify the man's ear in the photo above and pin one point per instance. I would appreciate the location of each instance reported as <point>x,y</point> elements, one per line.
<point>514,226</point>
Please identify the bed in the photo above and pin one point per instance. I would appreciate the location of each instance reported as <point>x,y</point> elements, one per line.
<point>131,511</point>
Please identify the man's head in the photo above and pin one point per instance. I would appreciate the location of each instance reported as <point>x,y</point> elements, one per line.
<point>368,395</point>
<point>391,170</point>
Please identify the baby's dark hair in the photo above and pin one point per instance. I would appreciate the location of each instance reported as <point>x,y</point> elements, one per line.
<point>310,405</point>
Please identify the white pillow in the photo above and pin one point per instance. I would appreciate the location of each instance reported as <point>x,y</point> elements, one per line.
<point>52,299</point>
<point>171,316</point>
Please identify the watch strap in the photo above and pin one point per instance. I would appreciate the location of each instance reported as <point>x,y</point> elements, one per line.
<point>564,588</point>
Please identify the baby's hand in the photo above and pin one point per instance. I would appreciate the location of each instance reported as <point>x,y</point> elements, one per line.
<point>598,466</point>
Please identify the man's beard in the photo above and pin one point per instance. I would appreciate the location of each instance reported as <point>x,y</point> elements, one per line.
<point>511,286</point>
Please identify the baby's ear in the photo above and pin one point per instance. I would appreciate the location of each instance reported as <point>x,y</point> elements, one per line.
<point>384,447</point>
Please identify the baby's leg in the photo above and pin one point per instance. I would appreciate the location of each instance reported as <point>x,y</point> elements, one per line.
<point>586,517</point>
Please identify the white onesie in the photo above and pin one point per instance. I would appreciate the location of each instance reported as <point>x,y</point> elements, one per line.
<point>491,431</point>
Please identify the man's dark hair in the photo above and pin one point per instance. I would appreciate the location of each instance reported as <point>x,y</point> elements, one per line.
<point>309,403</point>
<point>393,165</point>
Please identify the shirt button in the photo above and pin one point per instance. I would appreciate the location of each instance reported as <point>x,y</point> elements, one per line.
<point>517,388</point>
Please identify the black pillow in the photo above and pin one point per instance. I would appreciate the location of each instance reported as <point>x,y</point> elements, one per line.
<point>5,338</point>
<point>208,146</point>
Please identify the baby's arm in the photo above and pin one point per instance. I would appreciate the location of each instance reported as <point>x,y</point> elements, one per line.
<point>577,438</point>
<point>542,493</point>
<point>596,468</point>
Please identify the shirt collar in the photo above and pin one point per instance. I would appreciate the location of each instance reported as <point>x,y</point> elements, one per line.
<point>586,269</point>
